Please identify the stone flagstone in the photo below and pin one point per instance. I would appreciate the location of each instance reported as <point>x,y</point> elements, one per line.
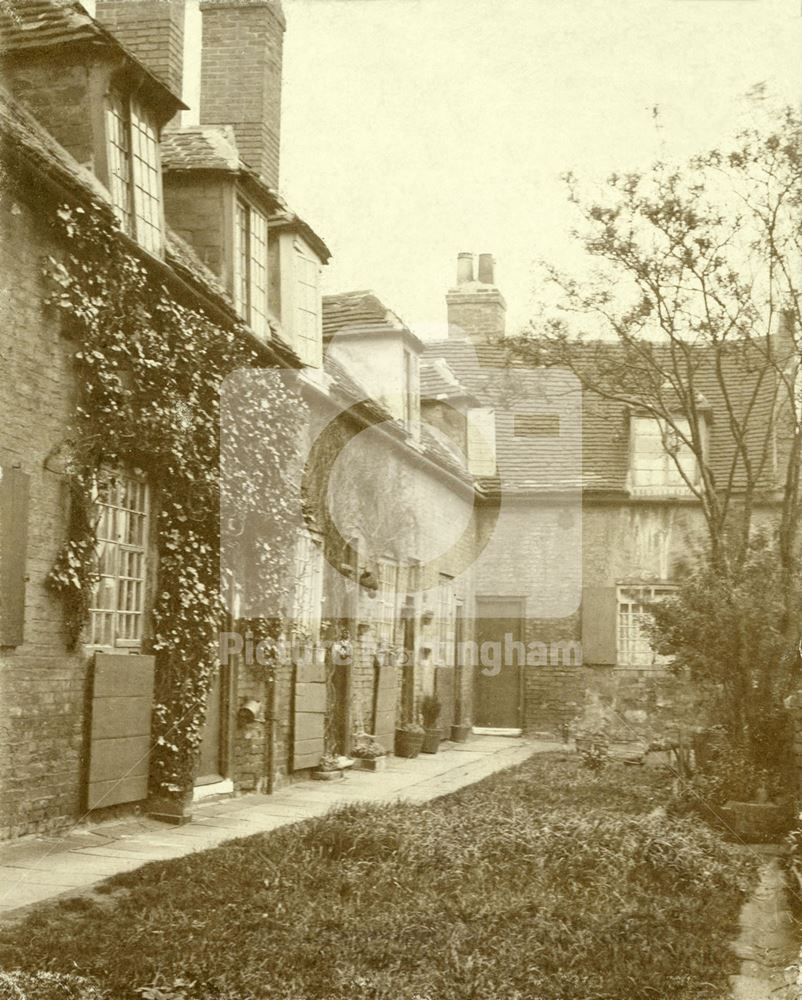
<point>41,868</point>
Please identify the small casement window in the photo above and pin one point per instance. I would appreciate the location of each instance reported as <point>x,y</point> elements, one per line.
<point>307,317</point>
<point>307,590</point>
<point>388,603</point>
<point>446,620</point>
<point>250,267</point>
<point>118,601</point>
<point>634,647</point>
<point>659,451</point>
<point>134,170</point>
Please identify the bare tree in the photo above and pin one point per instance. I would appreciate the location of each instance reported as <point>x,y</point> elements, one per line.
<point>693,306</point>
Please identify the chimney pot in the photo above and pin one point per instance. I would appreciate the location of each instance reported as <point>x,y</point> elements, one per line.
<point>464,268</point>
<point>486,266</point>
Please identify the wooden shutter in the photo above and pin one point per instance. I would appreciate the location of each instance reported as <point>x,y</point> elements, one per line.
<point>14,491</point>
<point>119,754</point>
<point>384,706</point>
<point>599,623</point>
<point>310,713</point>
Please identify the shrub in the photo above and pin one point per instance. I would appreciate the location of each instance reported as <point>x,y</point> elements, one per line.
<point>430,707</point>
<point>367,747</point>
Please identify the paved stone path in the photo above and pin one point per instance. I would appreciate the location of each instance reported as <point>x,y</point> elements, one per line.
<point>768,942</point>
<point>34,869</point>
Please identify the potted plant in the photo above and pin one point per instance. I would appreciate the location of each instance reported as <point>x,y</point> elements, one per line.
<point>368,753</point>
<point>430,711</point>
<point>408,739</point>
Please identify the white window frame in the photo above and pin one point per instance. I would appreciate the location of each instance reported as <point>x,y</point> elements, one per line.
<point>388,602</point>
<point>633,648</point>
<point>658,474</point>
<point>446,620</point>
<point>134,170</point>
<point>251,266</point>
<point>118,553</point>
<point>307,589</point>
<point>296,297</point>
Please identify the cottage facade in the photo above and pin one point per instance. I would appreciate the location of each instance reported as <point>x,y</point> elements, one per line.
<point>469,530</point>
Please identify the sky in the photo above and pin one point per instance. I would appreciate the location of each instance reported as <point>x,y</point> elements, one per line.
<point>416,129</point>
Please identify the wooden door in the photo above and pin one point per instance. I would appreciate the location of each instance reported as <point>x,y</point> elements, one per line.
<point>384,702</point>
<point>210,758</point>
<point>445,689</point>
<point>119,740</point>
<point>309,715</point>
<point>499,672</point>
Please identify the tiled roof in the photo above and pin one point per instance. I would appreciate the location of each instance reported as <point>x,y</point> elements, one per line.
<point>22,131</point>
<point>438,381</point>
<point>433,445</point>
<point>214,147</point>
<point>362,313</point>
<point>349,386</point>
<point>183,257</point>
<point>443,451</point>
<point>532,455</point>
<point>27,25</point>
<point>200,147</point>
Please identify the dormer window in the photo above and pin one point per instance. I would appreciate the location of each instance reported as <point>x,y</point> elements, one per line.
<point>133,170</point>
<point>662,460</point>
<point>250,267</point>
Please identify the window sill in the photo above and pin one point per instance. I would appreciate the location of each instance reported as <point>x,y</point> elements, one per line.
<point>661,491</point>
<point>134,647</point>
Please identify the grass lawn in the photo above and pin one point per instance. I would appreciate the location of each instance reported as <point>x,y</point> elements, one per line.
<point>544,882</point>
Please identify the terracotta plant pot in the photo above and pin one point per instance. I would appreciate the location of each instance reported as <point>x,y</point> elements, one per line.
<point>408,744</point>
<point>431,740</point>
<point>459,734</point>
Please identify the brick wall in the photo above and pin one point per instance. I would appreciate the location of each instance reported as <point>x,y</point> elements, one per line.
<point>42,686</point>
<point>241,77</point>
<point>477,311</point>
<point>153,30</point>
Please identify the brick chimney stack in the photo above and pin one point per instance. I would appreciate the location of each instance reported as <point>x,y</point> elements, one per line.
<point>241,77</point>
<point>476,308</point>
<point>154,32</point>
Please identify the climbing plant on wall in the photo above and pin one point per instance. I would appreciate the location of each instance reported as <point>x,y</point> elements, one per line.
<point>151,373</point>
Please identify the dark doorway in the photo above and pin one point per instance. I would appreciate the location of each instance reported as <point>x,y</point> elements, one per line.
<point>499,670</point>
